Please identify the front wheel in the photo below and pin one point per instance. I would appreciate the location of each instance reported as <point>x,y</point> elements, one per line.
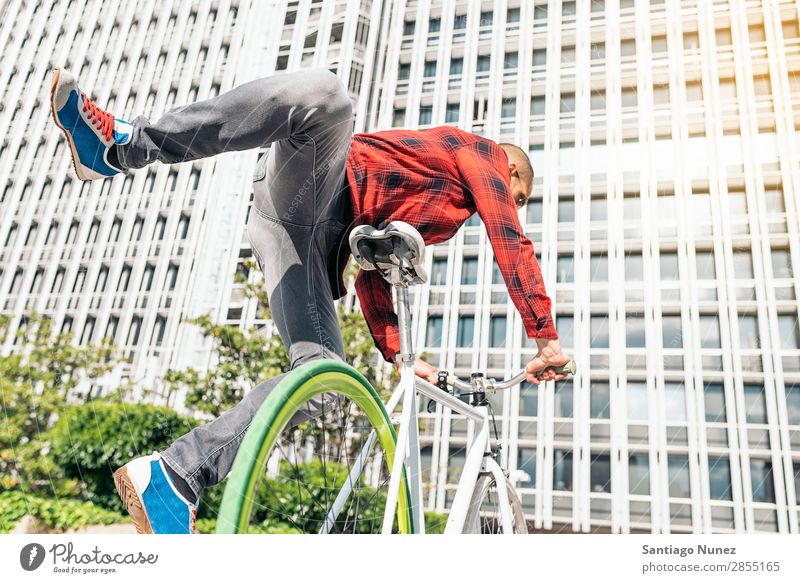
<point>483,516</point>
<point>302,448</point>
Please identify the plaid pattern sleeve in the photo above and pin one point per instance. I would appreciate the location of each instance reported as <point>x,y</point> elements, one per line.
<point>484,169</point>
<point>375,296</point>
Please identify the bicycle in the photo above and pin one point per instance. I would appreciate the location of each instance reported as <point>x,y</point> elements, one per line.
<point>297,468</point>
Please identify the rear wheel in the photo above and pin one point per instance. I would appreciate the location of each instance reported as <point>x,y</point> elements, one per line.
<point>483,515</point>
<point>287,476</point>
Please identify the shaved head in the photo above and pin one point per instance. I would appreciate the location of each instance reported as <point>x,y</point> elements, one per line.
<point>517,155</point>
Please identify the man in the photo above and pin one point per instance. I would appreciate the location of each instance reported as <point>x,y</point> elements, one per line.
<point>315,183</point>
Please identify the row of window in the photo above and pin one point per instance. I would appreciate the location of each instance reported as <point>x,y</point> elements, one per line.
<point>680,486</point>
<point>100,283</point>
<point>668,264</point>
<point>635,331</point>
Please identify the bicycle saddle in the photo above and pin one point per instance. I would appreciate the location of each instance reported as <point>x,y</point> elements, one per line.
<point>397,245</point>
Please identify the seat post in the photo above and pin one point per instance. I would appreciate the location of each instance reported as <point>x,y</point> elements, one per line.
<point>403,316</point>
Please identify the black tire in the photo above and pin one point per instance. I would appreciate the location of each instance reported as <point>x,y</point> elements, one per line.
<point>484,512</point>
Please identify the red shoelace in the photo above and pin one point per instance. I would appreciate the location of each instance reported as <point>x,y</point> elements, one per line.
<point>103,120</point>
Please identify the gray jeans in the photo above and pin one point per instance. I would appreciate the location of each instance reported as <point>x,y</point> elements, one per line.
<point>300,210</point>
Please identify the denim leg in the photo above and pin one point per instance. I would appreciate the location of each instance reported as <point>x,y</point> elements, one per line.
<point>251,115</point>
<point>298,214</point>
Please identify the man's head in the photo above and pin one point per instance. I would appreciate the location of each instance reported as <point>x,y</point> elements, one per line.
<point>521,173</point>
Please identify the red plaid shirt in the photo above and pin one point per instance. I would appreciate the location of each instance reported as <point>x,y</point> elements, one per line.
<point>434,180</point>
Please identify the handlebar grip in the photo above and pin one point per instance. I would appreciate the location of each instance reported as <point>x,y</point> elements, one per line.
<point>568,369</point>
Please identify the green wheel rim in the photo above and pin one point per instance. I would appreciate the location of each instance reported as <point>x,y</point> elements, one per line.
<point>294,390</point>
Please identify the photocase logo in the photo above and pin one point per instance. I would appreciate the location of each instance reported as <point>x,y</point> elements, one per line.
<point>31,556</point>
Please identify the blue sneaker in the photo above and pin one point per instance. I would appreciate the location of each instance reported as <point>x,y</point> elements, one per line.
<point>151,499</point>
<point>90,131</point>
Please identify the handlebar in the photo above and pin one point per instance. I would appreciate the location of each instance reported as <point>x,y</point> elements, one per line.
<point>478,381</point>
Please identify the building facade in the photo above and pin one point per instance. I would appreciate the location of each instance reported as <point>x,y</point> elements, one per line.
<point>664,139</point>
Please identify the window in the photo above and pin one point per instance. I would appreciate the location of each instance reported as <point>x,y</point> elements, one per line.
<point>639,474</point>
<point>628,47</point>
<point>691,41</point>
<point>430,69</point>
<point>133,332</point>
<point>563,399</point>
<point>748,332</point>
<point>755,404</point>
<point>439,271</point>
<point>600,473</point>
<point>564,269</point>
<point>497,331</point>
<point>457,66</point>
<point>793,403</point>
<point>719,478</point>
<point>635,331</point>
<point>598,50</point>
<point>705,265</point>
<point>497,275</point>
<point>661,94</point>
<point>465,332</point>
<point>634,267</point>
<point>567,103</point>
<point>469,271</point>
<point>671,332</point>
<point>526,461</point>
<point>762,481</point>
<point>781,264</point>
<point>566,210</point>
<point>678,470</point>
<point>566,330</point>
<point>487,18</point>
<point>562,469</point>
<point>435,24</point>
<point>433,335</point>
<point>694,91</point>
<point>600,403</point>
<point>539,57</point>
<point>512,15</point>
<point>484,63</point>
<point>509,108</point>
<point>797,479</point>
<point>598,326</point>
<point>669,266</point>
<point>408,27</point>
<point>460,22</point>
<point>511,61</point>
<point>399,117</point>
<point>636,397</point>
<point>714,397</point>
<point>598,100</point>
<point>529,400</point>
<point>629,97</point>
<point>425,114</point>
<point>675,401</point>
<point>709,332</point>
<point>534,210</point>
<point>789,332</point>
<point>537,105</point>
<point>172,276</point>
<point>598,268</point>
<point>404,71</point>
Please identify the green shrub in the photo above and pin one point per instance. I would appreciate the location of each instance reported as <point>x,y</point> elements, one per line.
<point>57,513</point>
<point>89,442</point>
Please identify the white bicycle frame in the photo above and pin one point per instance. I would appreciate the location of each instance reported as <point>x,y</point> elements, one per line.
<point>407,451</point>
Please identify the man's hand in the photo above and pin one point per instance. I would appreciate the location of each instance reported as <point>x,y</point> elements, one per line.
<point>424,371</point>
<point>550,354</point>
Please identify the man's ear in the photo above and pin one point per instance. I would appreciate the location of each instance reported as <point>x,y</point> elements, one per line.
<point>512,167</point>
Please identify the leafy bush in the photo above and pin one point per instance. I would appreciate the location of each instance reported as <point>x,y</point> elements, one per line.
<point>57,513</point>
<point>89,442</point>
